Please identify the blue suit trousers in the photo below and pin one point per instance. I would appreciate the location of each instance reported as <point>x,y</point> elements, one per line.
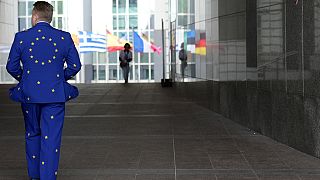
<point>43,125</point>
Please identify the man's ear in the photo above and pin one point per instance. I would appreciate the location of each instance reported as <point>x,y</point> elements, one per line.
<point>36,18</point>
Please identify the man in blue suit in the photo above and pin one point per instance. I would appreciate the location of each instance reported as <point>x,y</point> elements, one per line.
<point>42,90</point>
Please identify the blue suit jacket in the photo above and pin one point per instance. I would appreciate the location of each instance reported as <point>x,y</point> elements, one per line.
<point>43,51</point>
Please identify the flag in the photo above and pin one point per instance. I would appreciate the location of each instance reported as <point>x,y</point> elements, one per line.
<point>201,46</point>
<point>190,38</point>
<point>114,43</point>
<point>90,42</point>
<point>142,45</point>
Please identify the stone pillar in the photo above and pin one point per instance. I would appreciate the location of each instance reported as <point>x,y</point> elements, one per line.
<point>87,26</point>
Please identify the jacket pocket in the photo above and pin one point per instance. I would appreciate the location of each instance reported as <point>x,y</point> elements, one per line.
<point>70,91</point>
<point>16,93</point>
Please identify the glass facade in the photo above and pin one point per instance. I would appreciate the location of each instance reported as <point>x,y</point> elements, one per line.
<point>186,34</point>
<point>261,66</point>
<point>126,18</point>
<point>23,21</point>
<point>25,12</point>
<point>267,44</point>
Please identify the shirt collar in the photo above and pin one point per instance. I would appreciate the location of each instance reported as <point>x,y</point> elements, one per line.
<point>42,23</point>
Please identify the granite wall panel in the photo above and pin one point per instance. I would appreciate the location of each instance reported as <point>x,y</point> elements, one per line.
<point>265,73</point>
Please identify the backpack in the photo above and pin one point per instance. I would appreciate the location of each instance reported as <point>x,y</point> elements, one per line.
<point>183,55</point>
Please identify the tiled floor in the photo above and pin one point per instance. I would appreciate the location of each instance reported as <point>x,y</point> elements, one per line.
<point>144,132</point>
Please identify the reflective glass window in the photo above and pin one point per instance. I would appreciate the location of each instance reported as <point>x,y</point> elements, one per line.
<point>60,23</point>
<point>144,57</point>
<point>22,24</point>
<point>133,22</point>
<point>22,8</point>
<point>60,7</point>
<point>144,72</point>
<point>113,57</point>
<point>114,6</point>
<point>102,57</point>
<point>122,6</point>
<point>122,22</point>
<point>102,72</point>
<point>115,24</point>
<point>113,72</point>
<point>30,7</point>
<point>94,73</point>
<point>133,6</point>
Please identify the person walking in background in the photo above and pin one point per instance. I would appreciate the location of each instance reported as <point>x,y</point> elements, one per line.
<point>125,58</point>
<point>183,56</point>
<point>42,89</point>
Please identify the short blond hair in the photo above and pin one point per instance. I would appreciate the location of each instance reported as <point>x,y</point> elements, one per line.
<point>44,10</point>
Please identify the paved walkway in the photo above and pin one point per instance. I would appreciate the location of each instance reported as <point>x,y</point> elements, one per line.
<point>144,132</point>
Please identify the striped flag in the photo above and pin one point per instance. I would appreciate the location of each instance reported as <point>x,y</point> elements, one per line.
<point>90,42</point>
<point>141,44</point>
<point>115,43</point>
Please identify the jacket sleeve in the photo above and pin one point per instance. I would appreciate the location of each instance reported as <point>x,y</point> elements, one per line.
<point>130,56</point>
<point>121,56</point>
<point>13,65</point>
<point>72,60</point>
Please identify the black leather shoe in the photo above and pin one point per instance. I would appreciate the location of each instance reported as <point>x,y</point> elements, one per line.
<point>34,179</point>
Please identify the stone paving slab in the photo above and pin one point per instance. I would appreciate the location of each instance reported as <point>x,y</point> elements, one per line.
<point>145,132</point>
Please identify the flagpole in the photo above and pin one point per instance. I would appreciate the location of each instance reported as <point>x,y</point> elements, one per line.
<point>163,54</point>
<point>133,55</point>
<point>107,57</point>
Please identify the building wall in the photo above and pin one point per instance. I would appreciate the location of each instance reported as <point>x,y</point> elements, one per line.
<point>121,21</point>
<point>266,70</point>
<point>161,12</point>
<point>8,27</point>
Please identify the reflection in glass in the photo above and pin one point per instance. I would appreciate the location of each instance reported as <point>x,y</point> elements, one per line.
<point>152,72</point>
<point>152,22</point>
<point>122,22</point>
<point>30,7</point>
<point>192,7</point>
<point>60,7</point>
<point>182,20</point>
<point>53,22</point>
<point>144,57</point>
<point>122,6</point>
<point>130,37</point>
<point>59,22</point>
<point>136,68</point>
<point>144,72</point>
<point>152,58</point>
<point>113,57</point>
<point>114,6</point>
<point>133,6</point>
<point>102,57</point>
<point>22,24</point>
<point>123,35</point>
<point>94,73</point>
<point>182,6</point>
<point>29,22</point>
<point>115,24</point>
<point>22,8</point>
<point>102,72</point>
<point>136,57</point>
<point>113,72</point>
<point>270,45</point>
<point>133,22</point>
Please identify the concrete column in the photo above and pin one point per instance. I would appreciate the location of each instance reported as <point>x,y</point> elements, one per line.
<point>87,26</point>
